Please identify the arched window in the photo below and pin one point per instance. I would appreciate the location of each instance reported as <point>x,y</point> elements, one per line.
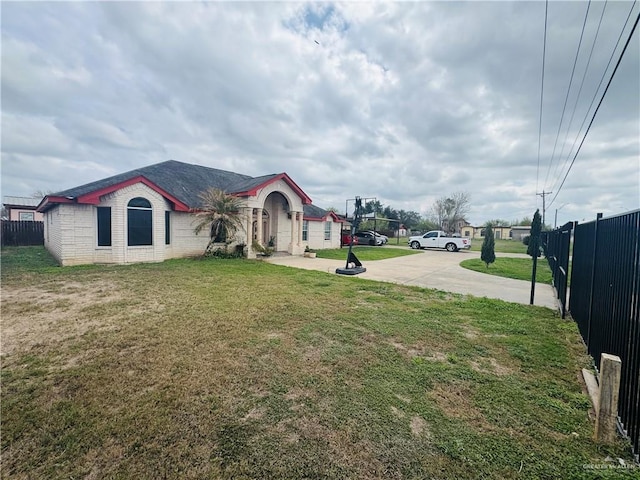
<point>139,222</point>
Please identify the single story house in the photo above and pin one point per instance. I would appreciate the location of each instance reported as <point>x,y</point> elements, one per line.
<point>146,215</point>
<point>500,232</point>
<point>22,209</point>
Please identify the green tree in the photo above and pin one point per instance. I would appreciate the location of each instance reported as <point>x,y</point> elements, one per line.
<point>221,214</point>
<point>533,248</point>
<point>488,253</point>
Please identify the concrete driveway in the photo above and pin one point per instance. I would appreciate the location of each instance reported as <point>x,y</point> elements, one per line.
<point>436,269</point>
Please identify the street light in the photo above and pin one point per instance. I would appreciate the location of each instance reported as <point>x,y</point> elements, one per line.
<point>555,222</point>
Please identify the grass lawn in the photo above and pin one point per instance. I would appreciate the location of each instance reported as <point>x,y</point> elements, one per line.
<point>365,253</point>
<point>518,268</point>
<point>502,246</point>
<point>238,369</point>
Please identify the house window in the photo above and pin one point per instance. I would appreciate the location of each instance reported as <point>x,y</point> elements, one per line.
<point>104,226</point>
<point>466,233</point>
<point>167,228</point>
<point>139,222</point>
<point>26,216</point>
<point>327,230</point>
<point>305,230</point>
<point>482,232</point>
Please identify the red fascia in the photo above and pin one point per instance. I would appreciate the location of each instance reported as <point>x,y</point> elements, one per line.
<point>282,176</point>
<point>93,198</point>
<point>322,219</point>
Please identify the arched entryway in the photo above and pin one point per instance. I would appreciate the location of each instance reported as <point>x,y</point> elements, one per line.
<point>274,229</point>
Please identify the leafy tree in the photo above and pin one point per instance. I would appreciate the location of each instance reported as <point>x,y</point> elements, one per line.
<point>488,253</point>
<point>221,214</point>
<point>409,219</point>
<point>533,249</point>
<point>525,222</point>
<point>499,222</point>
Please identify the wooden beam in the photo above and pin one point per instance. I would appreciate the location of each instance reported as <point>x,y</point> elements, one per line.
<point>607,412</point>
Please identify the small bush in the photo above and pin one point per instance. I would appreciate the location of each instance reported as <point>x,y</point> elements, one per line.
<point>525,239</point>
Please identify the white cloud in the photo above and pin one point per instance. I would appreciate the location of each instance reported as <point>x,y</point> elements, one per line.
<point>403,101</point>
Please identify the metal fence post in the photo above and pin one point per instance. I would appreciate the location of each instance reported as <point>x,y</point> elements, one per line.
<point>592,276</point>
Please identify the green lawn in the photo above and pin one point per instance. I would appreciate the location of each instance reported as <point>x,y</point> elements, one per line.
<point>518,268</point>
<point>237,369</point>
<point>365,253</point>
<point>502,246</point>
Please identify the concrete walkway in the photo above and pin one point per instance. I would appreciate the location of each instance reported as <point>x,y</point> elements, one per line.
<point>436,269</point>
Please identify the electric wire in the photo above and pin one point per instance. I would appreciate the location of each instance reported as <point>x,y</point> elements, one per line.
<point>595,94</point>
<point>566,98</point>
<point>584,76</point>
<point>544,52</point>
<point>598,107</point>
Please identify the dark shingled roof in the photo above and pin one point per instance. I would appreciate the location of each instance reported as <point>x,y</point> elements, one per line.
<point>184,181</point>
<point>312,211</point>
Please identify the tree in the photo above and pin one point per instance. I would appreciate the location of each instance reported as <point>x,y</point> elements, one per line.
<point>220,213</point>
<point>488,253</point>
<point>451,210</point>
<point>534,250</point>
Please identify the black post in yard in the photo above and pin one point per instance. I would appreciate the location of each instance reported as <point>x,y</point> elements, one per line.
<point>533,280</point>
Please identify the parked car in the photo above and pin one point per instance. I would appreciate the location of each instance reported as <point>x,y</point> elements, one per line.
<point>384,238</point>
<point>368,238</point>
<point>346,239</point>
<point>439,239</point>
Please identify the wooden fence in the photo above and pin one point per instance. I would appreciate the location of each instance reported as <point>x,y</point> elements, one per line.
<point>17,234</point>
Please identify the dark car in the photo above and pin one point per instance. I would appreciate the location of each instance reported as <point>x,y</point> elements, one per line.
<point>368,238</point>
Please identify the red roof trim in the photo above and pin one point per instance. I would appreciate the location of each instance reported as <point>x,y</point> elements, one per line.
<point>322,219</point>
<point>93,198</point>
<point>48,202</point>
<point>306,200</point>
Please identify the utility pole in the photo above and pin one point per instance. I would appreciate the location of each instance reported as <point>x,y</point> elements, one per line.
<point>544,207</point>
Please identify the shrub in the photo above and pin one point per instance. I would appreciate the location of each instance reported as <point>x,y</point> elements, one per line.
<point>525,239</point>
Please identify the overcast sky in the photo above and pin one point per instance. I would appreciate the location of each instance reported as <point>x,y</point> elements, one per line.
<point>406,102</point>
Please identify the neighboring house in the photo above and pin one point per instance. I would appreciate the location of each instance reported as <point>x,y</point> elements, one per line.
<point>145,215</point>
<point>500,232</point>
<point>518,232</point>
<point>22,209</point>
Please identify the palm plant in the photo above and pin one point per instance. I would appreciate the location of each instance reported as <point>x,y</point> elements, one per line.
<point>221,214</point>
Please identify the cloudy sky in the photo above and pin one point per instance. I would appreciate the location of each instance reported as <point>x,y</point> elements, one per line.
<point>406,102</point>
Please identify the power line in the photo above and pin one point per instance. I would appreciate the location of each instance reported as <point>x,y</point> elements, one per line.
<point>595,93</point>
<point>566,98</point>
<point>544,52</point>
<point>598,107</point>
<point>584,76</point>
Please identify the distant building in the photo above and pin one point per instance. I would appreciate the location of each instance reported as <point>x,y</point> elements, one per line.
<point>500,232</point>
<point>22,208</point>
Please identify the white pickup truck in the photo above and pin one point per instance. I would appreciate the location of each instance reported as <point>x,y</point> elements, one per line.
<point>439,239</point>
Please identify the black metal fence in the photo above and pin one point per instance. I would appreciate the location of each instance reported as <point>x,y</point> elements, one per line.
<point>18,234</point>
<point>605,303</point>
<point>557,245</point>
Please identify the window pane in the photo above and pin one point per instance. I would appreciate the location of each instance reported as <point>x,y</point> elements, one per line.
<point>139,227</point>
<point>104,226</point>
<point>139,202</point>
<point>327,230</point>
<point>305,230</point>
<point>26,216</point>
<point>167,228</point>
